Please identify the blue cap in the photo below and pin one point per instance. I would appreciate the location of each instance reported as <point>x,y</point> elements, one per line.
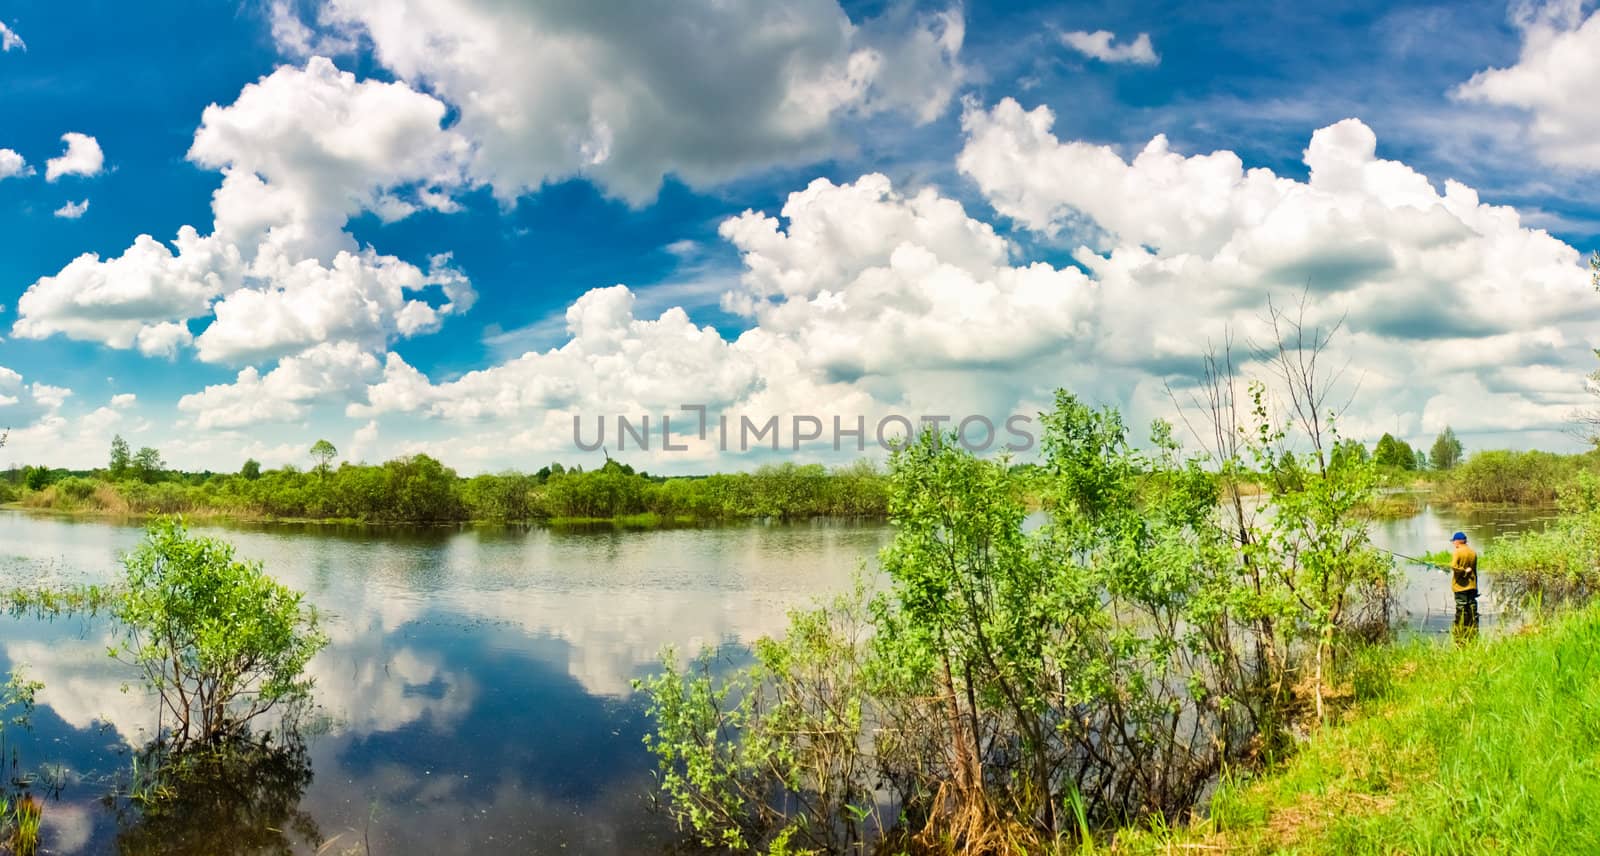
<point>1459,536</point>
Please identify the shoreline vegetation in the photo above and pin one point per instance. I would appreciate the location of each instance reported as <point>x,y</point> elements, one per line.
<point>1432,757</point>
<point>422,490</point>
<point>1192,650</point>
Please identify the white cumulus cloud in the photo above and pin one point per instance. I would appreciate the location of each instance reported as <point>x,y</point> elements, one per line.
<point>1437,289</point>
<point>9,39</point>
<point>82,157</point>
<point>362,298</point>
<point>1553,82</point>
<point>1101,45</point>
<point>300,151</point>
<point>25,404</point>
<point>627,94</point>
<point>325,372</point>
<point>72,210</point>
<point>866,300</point>
<point>12,165</point>
<point>305,148</point>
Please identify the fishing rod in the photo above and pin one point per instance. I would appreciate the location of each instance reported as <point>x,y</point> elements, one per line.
<point>1414,559</point>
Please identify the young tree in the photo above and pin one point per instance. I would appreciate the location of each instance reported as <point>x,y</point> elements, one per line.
<point>1447,451</point>
<point>1394,453</point>
<point>323,453</point>
<point>148,466</point>
<point>121,459</point>
<point>251,470</point>
<point>218,640</point>
<point>1350,451</point>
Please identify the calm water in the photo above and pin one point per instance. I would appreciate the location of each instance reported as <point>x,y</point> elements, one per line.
<point>477,686</point>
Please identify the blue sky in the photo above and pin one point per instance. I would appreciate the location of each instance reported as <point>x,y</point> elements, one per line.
<point>555,150</point>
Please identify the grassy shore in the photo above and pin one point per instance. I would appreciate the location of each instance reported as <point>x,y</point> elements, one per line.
<point>1491,747</point>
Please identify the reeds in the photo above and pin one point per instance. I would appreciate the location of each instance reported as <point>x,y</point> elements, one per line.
<point>20,820</point>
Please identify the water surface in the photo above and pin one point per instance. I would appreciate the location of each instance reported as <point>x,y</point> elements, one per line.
<point>476,694</point>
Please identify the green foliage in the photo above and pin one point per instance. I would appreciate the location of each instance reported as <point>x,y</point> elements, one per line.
<point>76,489</point>
<point>219,640</point>
<point>53,601</point>
<point>121,459</point>
<point>1112,660</point>
<point>507,496</point>
<point>16,699</point>
<point>20,821</point>
<point>738,756</point>
<point>148,466</point>
<point>37,478</point>
<point>323,453</point>
<point>20,817</point>
<point>1503,476</point>
<point>1558,566</point>
<point>420,489</point>
<point>1472,749</point>
<point>1447,450</point>
<point>1394,454</point>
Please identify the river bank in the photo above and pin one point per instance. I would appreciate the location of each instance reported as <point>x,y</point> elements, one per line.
<point>1482,747</point>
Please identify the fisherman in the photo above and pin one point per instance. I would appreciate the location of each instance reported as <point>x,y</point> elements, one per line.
<point>1464,582</point>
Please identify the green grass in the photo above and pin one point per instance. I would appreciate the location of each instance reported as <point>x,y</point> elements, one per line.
<point>1492,747</point>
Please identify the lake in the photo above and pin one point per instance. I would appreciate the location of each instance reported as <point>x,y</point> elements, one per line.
<point>476,693</point>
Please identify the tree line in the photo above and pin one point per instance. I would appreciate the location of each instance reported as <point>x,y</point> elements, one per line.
<point>1394,454</point>
<point>421,489</point>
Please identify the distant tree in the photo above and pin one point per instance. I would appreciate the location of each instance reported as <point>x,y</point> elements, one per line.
<point>37,478</point>
<point>251,469</point>
<point>1421,460</point>
<point>121,459</point>
<point>148,466</point>
<point>4,436</point>
<point>323,453</point>
<point>612,465</point>
<point>1394,453</point>
<point>1350,451</point>
<point>1447,451</point>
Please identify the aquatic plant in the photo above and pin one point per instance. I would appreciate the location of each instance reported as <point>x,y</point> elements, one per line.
<point>219,641</point>
<point>1558,566</point>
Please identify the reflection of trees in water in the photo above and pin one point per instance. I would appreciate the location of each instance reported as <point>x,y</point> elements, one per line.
<point>241,797</point>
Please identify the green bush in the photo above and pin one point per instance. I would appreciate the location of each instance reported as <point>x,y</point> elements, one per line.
<point>1114,659</point>
<point>219,640</point>
<point>1503,476</point>
<point>76,489</point>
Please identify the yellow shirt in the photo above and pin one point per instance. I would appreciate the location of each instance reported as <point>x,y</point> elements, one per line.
<point>1464,570</point>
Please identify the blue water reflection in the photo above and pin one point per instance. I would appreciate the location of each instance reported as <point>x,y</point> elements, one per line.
<point>476,692</point>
